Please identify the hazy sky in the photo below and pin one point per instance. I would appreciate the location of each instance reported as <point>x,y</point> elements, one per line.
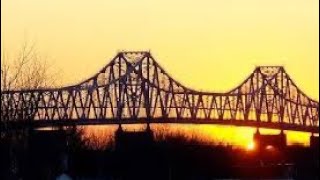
<point>206,44</point>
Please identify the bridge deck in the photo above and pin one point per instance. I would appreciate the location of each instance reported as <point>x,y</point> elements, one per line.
<point>246,123</point>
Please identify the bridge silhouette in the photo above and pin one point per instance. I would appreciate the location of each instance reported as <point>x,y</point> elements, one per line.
<point>133,88</point>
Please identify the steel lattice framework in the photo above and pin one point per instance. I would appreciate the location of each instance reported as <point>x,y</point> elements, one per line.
<point>134,88</point>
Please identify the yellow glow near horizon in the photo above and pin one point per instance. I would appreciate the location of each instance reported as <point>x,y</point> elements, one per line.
<point>251,146</point>
<point>207,134</point>
<point>206,45</point>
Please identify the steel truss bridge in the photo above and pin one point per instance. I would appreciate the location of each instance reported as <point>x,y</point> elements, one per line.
<point>134,88</point>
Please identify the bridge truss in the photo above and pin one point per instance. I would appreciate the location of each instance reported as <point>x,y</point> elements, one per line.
<point>134,88</point>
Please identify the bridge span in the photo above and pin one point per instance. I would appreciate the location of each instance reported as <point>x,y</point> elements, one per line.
<point>133,88</point>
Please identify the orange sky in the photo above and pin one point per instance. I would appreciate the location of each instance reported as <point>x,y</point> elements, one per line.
<point>207,45</point>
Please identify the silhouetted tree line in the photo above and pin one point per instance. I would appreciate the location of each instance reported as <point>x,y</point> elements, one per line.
<point>173,157</point>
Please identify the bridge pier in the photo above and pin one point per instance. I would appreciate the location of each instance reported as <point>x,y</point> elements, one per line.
<point>134,139</point>
<point>264,141</point>
<point>270,148</point>
<point>314,141</point>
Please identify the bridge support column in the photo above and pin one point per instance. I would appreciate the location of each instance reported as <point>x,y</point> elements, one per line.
<point>314,141</point>
<point>148,129</point>
<point>264,141</point>
<point>126,140</point>
<point>119,131</point>
<point>120,127</point>
<point>270,148</point>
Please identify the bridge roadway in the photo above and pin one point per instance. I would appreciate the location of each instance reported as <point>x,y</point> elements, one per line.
<point>82,122</point>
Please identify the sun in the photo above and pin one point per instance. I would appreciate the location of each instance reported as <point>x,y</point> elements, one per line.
<point>251,146</point>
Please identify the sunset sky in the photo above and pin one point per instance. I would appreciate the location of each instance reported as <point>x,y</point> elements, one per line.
<point>206,45</point>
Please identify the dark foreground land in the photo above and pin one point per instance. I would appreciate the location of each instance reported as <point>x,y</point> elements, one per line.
<point>138,156</point>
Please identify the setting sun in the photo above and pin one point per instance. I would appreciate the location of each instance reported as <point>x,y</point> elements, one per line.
<point>251,146</point>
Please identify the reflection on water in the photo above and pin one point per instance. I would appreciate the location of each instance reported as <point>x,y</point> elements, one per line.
<point>208,134</point>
